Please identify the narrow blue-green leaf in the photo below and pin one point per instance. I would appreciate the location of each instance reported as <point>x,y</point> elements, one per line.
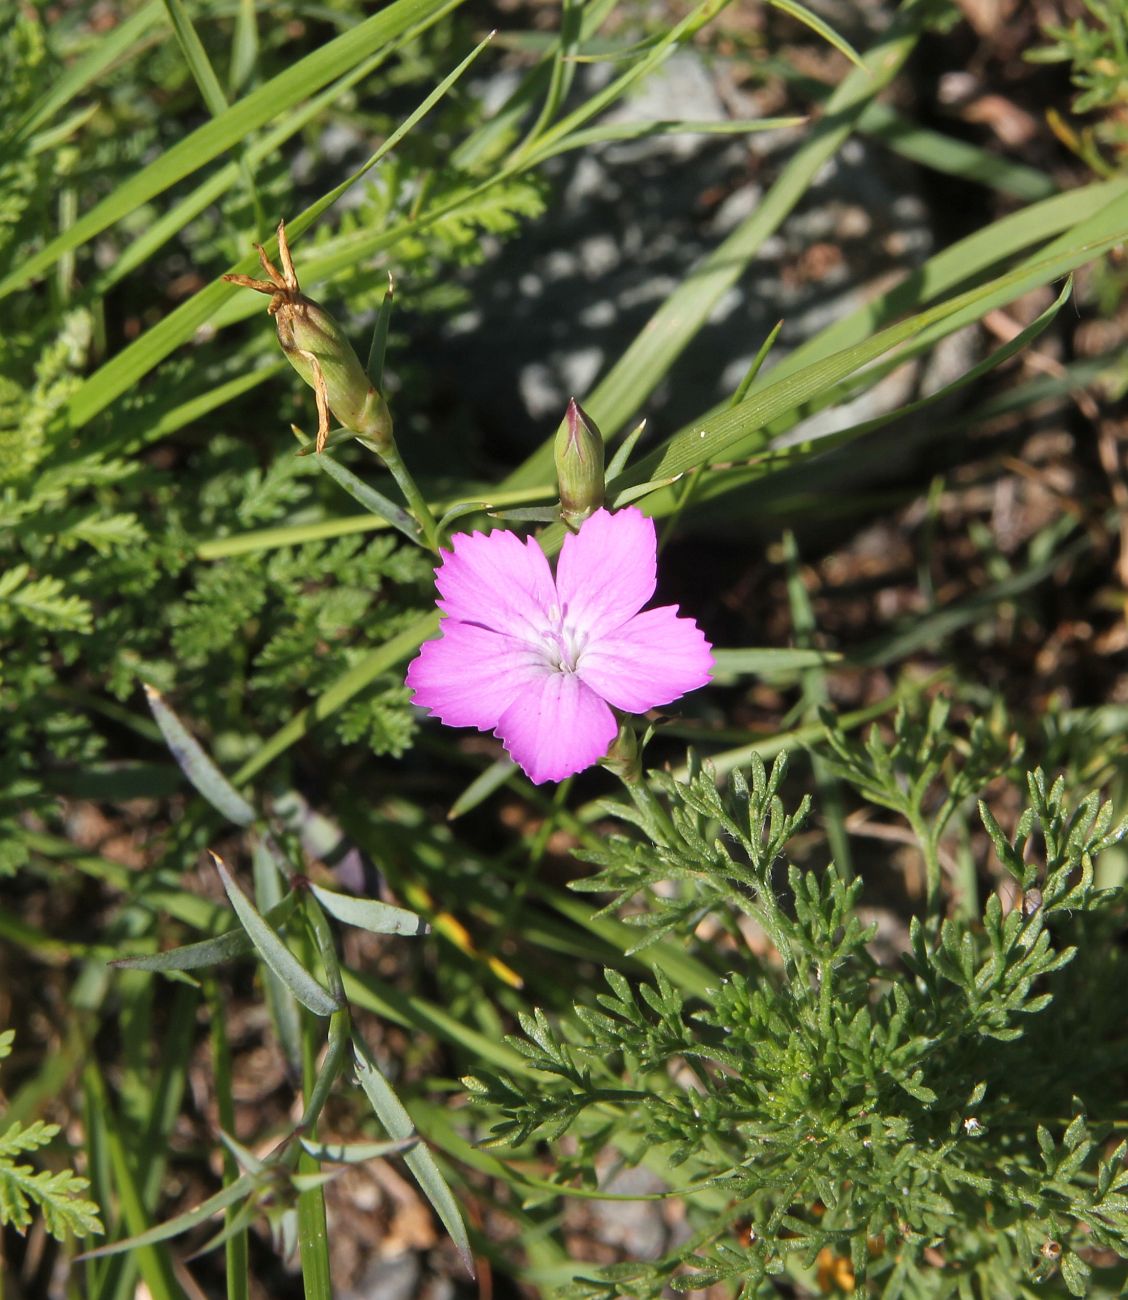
<point>311,1182</point>
<point>207,952</point>
<point>461,510</point>
<point>757,362</point>
<point>953,157</point>
<point>390,1111</point>
<point>196,765</point>
<point>236,1223</point>
<point>367,496</point>
<point>770,660</point>
<point>483,785</point>
<point>309,992</point>
<point>696,444</point>
<point>246,1159</point>
<point>269,870</point>
<point>268,101</point>
<point>369,913</point>
<point>1062,215</point>
<point>636,491</point>
<point>181,1223</point>
<point>758,467</point>
<point>356,1153</point>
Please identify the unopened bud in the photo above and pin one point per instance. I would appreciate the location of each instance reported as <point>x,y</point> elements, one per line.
<point>579,465</point>
<point>319,350</point>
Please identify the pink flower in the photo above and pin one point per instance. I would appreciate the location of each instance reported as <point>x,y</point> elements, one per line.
<point>541,662</point>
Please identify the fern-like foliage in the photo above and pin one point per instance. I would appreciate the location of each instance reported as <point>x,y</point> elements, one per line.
<point>918,1121</point>
<point>57,1195</point>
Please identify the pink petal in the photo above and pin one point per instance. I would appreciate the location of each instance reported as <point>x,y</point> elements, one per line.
<point>556,727</point>
<point>652,660</point>
<point>470,675</point>
<point>498,581</point>
<point>606,571</point>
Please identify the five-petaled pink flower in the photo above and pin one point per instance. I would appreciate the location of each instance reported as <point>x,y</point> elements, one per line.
<point>541,662</point>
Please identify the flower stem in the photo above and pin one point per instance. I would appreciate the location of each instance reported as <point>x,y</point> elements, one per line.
<point>416,501</point>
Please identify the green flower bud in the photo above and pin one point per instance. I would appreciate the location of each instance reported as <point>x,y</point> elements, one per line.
<point>319,350</point>
<point>579,465</point>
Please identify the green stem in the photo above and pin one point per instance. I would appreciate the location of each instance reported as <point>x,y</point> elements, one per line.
<point>339,1030</point>
<point>416,501</point>
<point>933,873</point>
<point>340,1021</point>
<point>236,1246</point>
<point>313,1232</point>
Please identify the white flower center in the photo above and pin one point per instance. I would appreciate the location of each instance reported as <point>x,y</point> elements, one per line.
<point>561,642</point>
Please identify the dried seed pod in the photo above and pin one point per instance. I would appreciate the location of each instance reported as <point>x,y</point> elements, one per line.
<point>319,350</point>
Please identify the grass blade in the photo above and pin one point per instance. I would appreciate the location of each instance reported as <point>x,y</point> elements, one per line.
<point>483,785</point>
<point>196,57</point>
<point>362,674</point>
<point>803,15</point>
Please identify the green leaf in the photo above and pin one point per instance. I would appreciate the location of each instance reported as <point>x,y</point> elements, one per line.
<point>309,992</point>
<point>196,765</point>
<point>207,952</point>
<point>196,57</point>
<point>356,1153</point>
<point>226,1196</point>
<point>370,913</point>
<point>391,1113</point>
<point>1075,1273</point>
<point>368,497</point>
<point>350,683</point>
